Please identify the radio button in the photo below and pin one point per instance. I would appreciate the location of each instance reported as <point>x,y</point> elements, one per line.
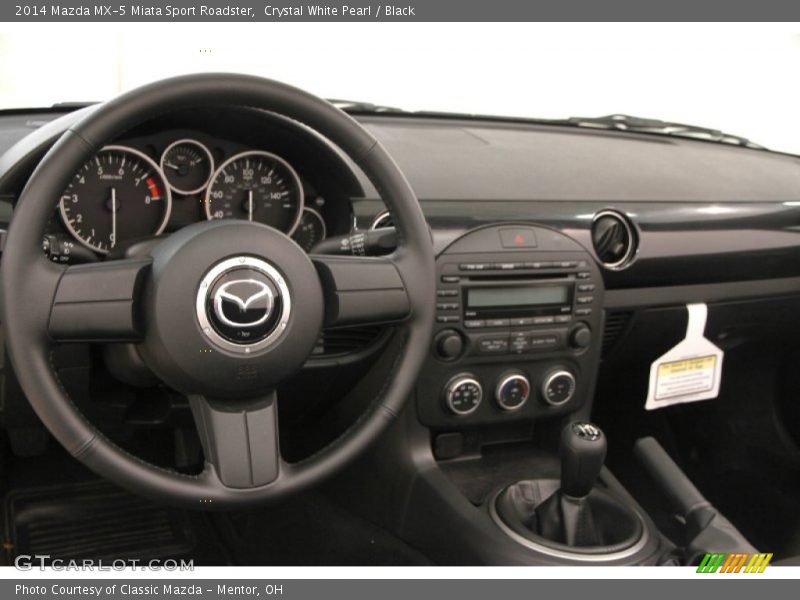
<point>567,264</point>
<point>446,293</point>
<point>450,278</point>
<point>582,312</point>
<point>563,318</point>
<point>521,322</point>
<point>584,299</point>
<point>493,345</point>
<point>497,323</point>
<point>543,342</point>
<point>544,320</point>
<point>447,319</point>
<point>584,275</point>
<point>474,323</point>
<point>519,341</point>
<point>586,287</point>
<point>447,306</point>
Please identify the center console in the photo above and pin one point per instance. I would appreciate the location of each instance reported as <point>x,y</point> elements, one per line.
<point>518,328</point>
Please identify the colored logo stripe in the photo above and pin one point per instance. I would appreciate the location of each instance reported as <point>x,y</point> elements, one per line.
<point>734,562</point>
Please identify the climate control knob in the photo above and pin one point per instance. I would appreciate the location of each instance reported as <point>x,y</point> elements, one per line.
<point>558,387</point>
<point>463,394</point>
<point>512,391</point>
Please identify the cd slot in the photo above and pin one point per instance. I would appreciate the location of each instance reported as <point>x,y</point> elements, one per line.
<point>521,277</point>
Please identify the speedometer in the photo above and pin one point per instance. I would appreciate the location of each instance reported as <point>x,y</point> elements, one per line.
<point>118,195</point>
<point>256,186</point>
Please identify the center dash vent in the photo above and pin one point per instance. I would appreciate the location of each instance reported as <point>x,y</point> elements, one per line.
<point>347,340</point>
<point>613,239</point>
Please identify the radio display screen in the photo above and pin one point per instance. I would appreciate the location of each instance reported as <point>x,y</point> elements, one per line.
<point>516,296</point>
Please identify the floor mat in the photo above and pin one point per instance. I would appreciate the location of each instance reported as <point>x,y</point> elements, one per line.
<point>93,520</point>
<point>309,529</point>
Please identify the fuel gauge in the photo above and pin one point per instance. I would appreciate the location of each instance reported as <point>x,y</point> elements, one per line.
<point>311,229</point>
<point>188,165</point>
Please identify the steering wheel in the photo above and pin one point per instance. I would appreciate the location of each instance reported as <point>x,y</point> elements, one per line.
<point>221,311</point>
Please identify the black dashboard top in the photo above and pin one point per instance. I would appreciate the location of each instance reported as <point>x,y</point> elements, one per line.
<point>465,160</point>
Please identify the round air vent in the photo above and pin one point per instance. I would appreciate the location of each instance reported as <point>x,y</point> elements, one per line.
<point>383,219</point>
<point>614,239</point>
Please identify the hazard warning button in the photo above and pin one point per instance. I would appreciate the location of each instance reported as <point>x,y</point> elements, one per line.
<point>517,237</point>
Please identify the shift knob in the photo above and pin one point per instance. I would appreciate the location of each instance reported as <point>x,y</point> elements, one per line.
<point>583,451</point>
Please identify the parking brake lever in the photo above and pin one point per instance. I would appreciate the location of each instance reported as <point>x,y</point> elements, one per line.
<point>706,529</point>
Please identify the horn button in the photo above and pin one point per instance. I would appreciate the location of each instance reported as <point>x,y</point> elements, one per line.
<point>243,304</point>
<point>220,312</point>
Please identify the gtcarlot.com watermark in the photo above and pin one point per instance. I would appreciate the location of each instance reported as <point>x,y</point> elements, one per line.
<point>29,562</point>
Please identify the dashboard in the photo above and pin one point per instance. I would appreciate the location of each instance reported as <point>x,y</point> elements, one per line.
<point>627,228</point>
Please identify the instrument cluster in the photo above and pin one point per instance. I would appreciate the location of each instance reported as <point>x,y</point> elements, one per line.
<point>133,191</point>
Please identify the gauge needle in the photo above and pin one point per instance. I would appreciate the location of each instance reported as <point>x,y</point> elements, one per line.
<point>171,166</point>
<point>250,205</point>
<point>113,217</point>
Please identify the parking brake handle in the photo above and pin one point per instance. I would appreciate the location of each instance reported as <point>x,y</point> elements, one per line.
<point>706,529</point>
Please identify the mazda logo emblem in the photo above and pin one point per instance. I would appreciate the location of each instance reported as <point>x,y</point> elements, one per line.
<point>243,303</point>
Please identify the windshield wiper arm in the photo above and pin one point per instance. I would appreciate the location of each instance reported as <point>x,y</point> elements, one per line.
<point>643,125</point>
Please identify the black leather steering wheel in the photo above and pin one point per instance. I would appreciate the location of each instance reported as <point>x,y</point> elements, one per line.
<point>161,302</point>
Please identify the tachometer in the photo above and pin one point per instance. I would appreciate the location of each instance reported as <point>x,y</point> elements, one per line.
<point>118,195</point>
<point>256,186</point>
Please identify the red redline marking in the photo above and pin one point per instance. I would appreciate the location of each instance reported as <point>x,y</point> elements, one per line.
<point>155,194</point>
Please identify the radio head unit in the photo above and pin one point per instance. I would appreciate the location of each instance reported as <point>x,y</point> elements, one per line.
<point>514,303</point>
<point>510,299</point>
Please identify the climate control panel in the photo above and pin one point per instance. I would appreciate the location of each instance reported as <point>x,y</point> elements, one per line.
<point>518,326</point>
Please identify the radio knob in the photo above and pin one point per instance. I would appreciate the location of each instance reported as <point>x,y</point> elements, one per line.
<point>512,391</point>
<point>449,344</point>
<point>463,394</point>
<point>558,387</point>
<point>580,337</point>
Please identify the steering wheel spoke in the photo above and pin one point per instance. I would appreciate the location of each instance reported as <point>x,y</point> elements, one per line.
<point>362,290</point>
<point>239,438</point>
<point>98,302</point>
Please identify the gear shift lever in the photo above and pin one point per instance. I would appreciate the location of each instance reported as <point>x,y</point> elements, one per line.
<point>580,514</point>
<point>566,515</point>
<point>583,452</point>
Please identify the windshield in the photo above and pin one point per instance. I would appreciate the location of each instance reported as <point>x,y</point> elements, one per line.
<point>741,79</point>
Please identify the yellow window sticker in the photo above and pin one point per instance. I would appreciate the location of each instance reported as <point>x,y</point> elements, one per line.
<point>691,371</point>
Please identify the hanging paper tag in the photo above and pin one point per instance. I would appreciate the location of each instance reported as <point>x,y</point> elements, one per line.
<point>691,371</point>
